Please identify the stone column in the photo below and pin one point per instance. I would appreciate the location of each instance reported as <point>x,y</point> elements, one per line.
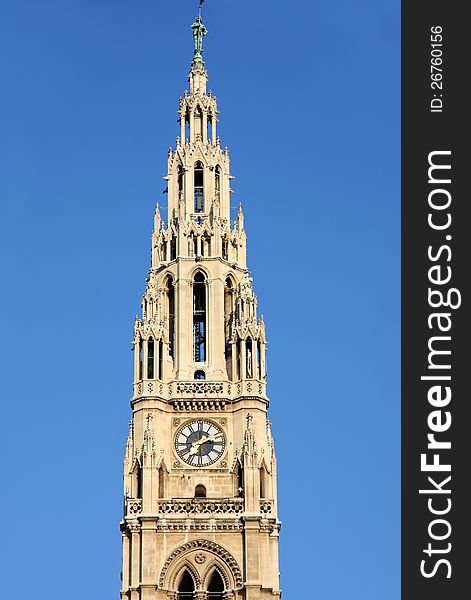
<point>182,127</point>
<point>148,557</point>
<point>243,359</point>
<point>135,558</point>
<point>263,371</point>
<point>125,568</point>
<point>136,362</point>
<point>192,126</point>
<point>176,327</point>
<point>205,126</point>
<point>234,360</point>
<point>213,129</point>
<point>251,558</point>
<point>145,375</point>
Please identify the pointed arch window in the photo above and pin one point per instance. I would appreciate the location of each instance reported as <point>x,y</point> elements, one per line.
<point>263,482</point>
<point>199,187</point>
<point>209,127</point>
<point>161,482</point>
<point>150,358</point>
<point>225,247</point>
<point>198,122</point>
<point>140,483</point>
<point>173,248</point>
<point>186,587</point>
<point>187,125</point>
<point>239,480</point>
<point>216,587</point>
<point>171,315</point>
<point>249,367</point>
<point>228,316</point>
<point>199,317</point>
<point>180,178</point>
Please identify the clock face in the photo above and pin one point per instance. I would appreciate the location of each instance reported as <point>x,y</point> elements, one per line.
<point>200,443</point>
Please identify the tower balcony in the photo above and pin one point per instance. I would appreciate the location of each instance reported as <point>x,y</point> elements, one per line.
<point>193,507</point>
<point>200,506</point>
<point>199,394</point>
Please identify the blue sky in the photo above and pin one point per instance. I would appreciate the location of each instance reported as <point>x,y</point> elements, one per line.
<point>309,101</point>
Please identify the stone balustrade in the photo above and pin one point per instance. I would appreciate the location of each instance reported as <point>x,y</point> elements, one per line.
<point>196,506</point>
<point>200,506</point>
<point>215,393</point>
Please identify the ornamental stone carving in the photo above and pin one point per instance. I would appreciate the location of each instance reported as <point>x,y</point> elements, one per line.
<point>134,507</point>
<point>199,387</point>
<point>198,404</point>
<point>265,506</point>
<point>200,558</point>
<point>231,506</point>
<point>211,547</point>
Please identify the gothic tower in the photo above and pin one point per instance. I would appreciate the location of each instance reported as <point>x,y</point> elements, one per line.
<point>200,510</point>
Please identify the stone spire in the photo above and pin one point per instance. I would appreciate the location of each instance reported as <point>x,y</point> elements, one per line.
<point>199,477</point>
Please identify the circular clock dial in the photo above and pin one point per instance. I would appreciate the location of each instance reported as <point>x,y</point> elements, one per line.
<point>200,443</point>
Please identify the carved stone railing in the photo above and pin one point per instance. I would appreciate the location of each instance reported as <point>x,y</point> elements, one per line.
<point>196,506</point>
<point>201,506</point>
<point>215,393</point>
<point>133,507</point>
<point>266,506</point>
<point>197,388</point>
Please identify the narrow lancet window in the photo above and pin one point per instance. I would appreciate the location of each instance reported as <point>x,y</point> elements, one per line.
<point>180,178</point>
<point>239,473</point>
<point>150,358</point>
<point>161,359</point>
<point>187,126</point>
<point>173,248</point>
<point>199,188</point>
<point>161,482</point>
<point>140,485</point>
<point>199,318</point>
<point>216,587</point>
<point>171,315</point>
<point>209,127</point>
<point>228,291</point>
<point>198,121</point>
<point>186,587</point>
<point>249,359</point>
<point>263,482</point>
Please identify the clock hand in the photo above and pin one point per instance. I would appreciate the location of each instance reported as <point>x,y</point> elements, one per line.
<point>197,443</point>
<point>213,438</point>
